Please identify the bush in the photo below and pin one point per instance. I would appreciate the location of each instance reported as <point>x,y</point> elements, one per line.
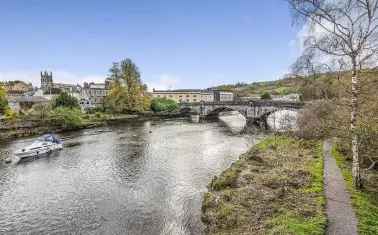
<point>266,96</point>
<point>313,120</point>
<point>163,105</point>
<point>3,101</point>
<point>68,118</point>
<point>65,100</point>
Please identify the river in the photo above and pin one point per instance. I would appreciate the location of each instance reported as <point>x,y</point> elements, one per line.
<point>137,178</point>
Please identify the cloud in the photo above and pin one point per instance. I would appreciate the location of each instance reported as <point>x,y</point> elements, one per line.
<point>59,76</point>
<point>164,82</point>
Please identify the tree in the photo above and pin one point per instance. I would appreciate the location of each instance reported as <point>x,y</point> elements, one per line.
<point>66,117</point>
<point>266,96</point>
<point>163,105</point>
<point>3,101</point>
<point>345,31</point>
<point>115,72</point>
<point>65,100</point>
<point>128,93</point>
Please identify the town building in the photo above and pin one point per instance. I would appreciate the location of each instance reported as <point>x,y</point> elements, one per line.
<point>16,88</point>
<point>223,96</point>
<point>184,95</point>
<point>49,87</point>
<point>93,94</point>
<point>194,95</point>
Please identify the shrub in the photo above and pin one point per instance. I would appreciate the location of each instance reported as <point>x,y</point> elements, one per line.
<point>266,96</point>
<point>68,118</point>
<point>65,100</point>
<point>3,101</point>
<point>163,105</point>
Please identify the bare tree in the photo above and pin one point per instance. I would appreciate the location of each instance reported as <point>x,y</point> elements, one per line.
<point>346,30</point>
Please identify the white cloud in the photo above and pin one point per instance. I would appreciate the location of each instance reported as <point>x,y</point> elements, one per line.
<point>59,76</point>
<point>164,82</point>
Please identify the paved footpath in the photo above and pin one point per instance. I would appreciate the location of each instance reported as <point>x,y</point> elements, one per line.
<point>341,217</point>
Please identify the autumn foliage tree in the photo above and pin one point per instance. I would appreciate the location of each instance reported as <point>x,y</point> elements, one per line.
<point>128,93</point>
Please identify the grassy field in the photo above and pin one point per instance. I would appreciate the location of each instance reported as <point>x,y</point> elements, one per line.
<point>275,188</point>
<point>365,202</point>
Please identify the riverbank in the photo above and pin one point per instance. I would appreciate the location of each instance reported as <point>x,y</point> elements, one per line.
<point>32,127</point>
<point>275,188</point>
<point>364,201</point>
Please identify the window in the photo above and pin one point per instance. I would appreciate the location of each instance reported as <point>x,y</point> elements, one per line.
<point>194,95</point>
<point>187,95</point>
<point>158,96</point>
<point>180,96</point>
<point>187,100</point>
<point>195,100</point>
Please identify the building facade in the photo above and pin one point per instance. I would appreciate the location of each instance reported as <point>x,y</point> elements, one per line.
<point>193,96</point>
<point>16,88</point>
<point>49,87</point>
<point>184,95</point>
<point>223,96</point>
<point>93,94</point>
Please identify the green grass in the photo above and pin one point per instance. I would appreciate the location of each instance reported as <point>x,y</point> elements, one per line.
<point>364,203</point>
<point>290,222</point>
<point>275,188</point>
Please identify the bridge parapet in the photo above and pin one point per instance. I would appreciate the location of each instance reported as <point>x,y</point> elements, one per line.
<point>250,109</point>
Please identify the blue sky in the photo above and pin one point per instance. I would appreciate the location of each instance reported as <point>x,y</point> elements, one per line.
<point>176,44</point>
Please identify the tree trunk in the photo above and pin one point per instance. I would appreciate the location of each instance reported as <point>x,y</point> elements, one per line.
<point>353,126</point>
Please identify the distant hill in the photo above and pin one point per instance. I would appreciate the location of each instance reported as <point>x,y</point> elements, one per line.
<point>310,88</point>
<point>280,87</point>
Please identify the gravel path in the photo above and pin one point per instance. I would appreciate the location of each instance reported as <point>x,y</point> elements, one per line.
<point>341,217</point>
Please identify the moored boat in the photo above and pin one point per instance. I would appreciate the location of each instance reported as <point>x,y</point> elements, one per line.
<point>42,146</point>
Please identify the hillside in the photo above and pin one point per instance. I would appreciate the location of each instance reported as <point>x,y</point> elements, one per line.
<point>311,88</point>
<point>280,87</point>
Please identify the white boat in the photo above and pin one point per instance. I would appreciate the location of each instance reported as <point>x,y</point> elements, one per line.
<point>43,145</point>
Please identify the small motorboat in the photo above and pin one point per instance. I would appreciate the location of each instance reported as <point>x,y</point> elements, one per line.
<point>42,146</point>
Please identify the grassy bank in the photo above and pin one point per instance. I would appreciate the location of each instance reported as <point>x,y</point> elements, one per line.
<point>365,201</point>
<point>275,188</point>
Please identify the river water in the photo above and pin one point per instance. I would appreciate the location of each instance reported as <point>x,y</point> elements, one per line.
<point>136,178</point>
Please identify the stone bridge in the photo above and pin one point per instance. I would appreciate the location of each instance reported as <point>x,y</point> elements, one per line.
<point>251,110</point>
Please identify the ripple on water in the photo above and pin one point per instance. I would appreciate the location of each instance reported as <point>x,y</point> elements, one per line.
<point>145,178</point>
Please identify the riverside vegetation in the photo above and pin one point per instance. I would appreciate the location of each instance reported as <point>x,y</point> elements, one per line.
<point>275,188</point>
<point>128,99</point>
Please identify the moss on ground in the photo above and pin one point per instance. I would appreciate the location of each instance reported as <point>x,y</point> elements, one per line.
<point>365,201</point>
<point>275,188</point>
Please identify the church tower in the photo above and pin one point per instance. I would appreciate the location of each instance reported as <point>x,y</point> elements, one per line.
<point>46,81</point>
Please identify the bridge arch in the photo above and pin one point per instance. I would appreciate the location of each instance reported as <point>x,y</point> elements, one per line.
<point>186,110</point>
<point>216,111</point>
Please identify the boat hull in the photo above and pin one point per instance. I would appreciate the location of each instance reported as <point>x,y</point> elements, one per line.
<point>36,153</point>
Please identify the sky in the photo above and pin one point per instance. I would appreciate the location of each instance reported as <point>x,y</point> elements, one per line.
<point>175,44</point>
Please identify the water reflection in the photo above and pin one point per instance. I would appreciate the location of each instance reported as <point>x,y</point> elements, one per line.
<point>137,178</point>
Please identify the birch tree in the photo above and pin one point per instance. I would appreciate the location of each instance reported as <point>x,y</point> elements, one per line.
<point>345,30</point>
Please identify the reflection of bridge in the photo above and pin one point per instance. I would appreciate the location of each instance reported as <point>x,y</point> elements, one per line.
<point>255,110</point>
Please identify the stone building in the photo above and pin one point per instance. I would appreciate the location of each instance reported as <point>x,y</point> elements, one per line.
<point>16,88</point>
<point>185,95</point>
<point>49,87</point>
<point>223,96</point>
<point>93,94</point>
